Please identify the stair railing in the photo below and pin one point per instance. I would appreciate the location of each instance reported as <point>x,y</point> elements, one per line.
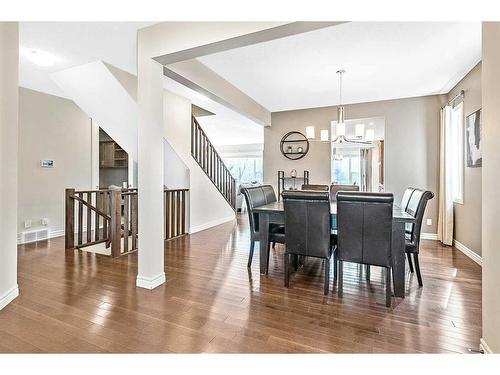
<point>212,164</point>
<point>111,216</point>
<point>175,212</point>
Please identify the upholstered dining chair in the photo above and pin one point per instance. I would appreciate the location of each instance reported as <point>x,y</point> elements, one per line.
<point>315,187</point>
<point>255,197</point>
<point>416,208</point>
<point>307,228</point>
<point>406,198</point>
<point>364,233</point>
<point>334,189</point>
<point>404,205</point>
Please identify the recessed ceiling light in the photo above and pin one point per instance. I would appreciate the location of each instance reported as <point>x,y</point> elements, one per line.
<point>40,58</point>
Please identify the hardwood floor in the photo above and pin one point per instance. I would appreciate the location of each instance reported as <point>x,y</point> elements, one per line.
<point>82,302</point>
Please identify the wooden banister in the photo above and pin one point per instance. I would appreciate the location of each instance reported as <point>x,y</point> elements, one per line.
<point>69,213</point>
<point>111,217</point>
<point>212,164</point>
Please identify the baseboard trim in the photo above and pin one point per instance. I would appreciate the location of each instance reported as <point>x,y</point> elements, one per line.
<point>468,252</point>
<point>210,224</point>
<point>150,282</point>
<point>9,297</point>
<point>484,347</point>
<point>429,236</point>
<point>52,234</point>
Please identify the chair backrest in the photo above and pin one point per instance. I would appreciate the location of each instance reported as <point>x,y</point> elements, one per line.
<point>312,187</point>
<point>416,208</point>
<point>364,227</point>
<point>406,198</point>
<point>269,193</point>
<point>307,222</point>
<point>334,189</point>
<point>257,196</point>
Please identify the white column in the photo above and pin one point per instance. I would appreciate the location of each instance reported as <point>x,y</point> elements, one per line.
<point>9,104</point>
<point>490,82</point>
<point>150,167</point>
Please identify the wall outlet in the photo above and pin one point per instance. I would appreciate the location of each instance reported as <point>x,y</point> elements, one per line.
<point>45,221</point>
<point>27,224</point>
<point>429,221</point>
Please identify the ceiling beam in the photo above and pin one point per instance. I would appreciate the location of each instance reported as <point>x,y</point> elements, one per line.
<point>260,36</point>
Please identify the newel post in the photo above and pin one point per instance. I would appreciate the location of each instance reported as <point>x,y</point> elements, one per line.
<point>69,211</point>
<point>116,216</point>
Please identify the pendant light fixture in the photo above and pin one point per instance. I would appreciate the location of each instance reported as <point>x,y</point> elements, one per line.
<point>340,125</point>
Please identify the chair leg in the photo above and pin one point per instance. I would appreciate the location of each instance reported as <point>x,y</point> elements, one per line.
<point>340,281</point>
<point>388,292</point>
<point>367,271</point>
<point>250,255</point>
<point>335,266</point>
<point>274,245</point>
<point>327,276</point>
<point>268,256</point>
<point>286,259</point>
<point>295,262</point>
<point>410,263</point>
<point>417,268</point>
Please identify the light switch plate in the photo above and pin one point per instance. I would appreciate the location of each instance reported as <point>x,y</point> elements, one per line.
<point>429,221</point>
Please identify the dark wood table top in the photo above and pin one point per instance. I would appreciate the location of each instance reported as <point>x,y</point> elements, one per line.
<point>275,207</point>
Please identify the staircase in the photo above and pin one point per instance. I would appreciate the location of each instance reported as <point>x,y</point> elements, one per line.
<point>209,160</point>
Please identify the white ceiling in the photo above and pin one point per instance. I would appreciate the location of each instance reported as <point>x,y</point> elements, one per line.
<point>226,127</point>
<point>75,43</point>
<point>383,60</point>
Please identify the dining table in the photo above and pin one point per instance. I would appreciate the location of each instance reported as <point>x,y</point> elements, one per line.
<point>274,213</point>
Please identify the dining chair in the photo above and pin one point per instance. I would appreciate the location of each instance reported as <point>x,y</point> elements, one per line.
<point>364,233</point>
<point>315,187</point>
<point>334,189</point>
<point>406,198</point>
<point>255,197</point>
<point>269,193</point>
<point>404,205</point>
<point>307,228</point>
<point>416,208</point>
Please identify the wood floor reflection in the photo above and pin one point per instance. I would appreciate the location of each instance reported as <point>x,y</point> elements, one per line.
<point>86,303</point>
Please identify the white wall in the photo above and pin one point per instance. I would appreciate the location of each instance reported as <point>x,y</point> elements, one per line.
<point>176,171</point>
<point>9,60</point>
<point>207,206</point>
<point>54,128</point>
<point>106,95</point>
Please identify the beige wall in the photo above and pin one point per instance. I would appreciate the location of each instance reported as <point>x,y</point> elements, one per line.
<point>411,144</point>
<point>54,128</point>
<point>9,62</point>
<point>467,216</point>
<point>490,81</point>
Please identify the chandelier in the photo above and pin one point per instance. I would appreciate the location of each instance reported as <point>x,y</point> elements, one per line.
<point>362,137</point>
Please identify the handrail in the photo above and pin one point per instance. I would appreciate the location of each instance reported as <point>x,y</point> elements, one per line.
<point>212,163</point>
<point>95,209</point>
<point>111,216</point>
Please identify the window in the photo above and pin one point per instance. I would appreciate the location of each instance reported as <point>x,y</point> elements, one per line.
<point>346,168</point>
<point>245,169</point>
<point>455,154</point>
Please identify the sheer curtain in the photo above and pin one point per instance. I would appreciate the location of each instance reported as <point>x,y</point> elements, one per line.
<point>445,218</point>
